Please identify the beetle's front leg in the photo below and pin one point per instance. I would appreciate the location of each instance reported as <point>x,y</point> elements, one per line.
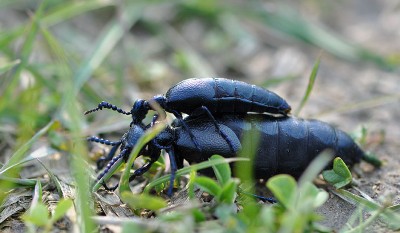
<point>109,166</point>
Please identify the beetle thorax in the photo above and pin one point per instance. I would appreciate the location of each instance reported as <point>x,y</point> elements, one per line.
<point>131,137</point>
<point>166,138</point>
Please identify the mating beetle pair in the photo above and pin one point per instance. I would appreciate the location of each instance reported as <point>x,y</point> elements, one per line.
<point>206,96</point>
<point>218,115</point>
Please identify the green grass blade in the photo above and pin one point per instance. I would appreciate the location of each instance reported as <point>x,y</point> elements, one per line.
<point>20,182</point>
<point>187,170</point>
<point>20,153</point>
<point>315,167</point>
<point>209,185</point>
<point>310,86</point>
<point>25,52</point>
<point>110,36</point>
<point>72,9</point>
<point>61,209</point>
<point>143,140</point>
<point>53,178</point>
<point>6,67</point>
<point>222,171</point>
<point>37,194</point>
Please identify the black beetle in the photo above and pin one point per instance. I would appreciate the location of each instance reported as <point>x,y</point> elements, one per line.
<point>287,144</point>
<point>209,96</point>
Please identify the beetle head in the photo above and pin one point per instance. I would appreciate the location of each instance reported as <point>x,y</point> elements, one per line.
<point>139,111</point>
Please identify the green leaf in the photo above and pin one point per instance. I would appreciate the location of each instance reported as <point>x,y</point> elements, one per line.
<point>198,215</point>
<point>283,187</point>
<point>228,192</point>
<point>38,215</point>
<point>62,207</point>
<point>316,197</point>
<point>222,171</point>
<point>339,176</point>
<point>209,185</point>
<point>143,201</point>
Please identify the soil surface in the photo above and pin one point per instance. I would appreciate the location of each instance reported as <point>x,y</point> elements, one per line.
<point>347,94</point>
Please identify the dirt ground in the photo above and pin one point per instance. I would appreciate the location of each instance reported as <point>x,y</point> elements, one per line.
<point>353,95</point>
<point>346,94</point>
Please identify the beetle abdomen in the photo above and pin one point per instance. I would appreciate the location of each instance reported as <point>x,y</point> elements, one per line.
<point>288,145</point>
<point>221,95</point>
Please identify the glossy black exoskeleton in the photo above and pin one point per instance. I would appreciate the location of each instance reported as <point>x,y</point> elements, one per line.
<point>208,96</point>
<point>287,144</point>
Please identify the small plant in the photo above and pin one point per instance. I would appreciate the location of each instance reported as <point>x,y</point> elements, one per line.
<point>38,215</point>
<point>339,176</point>
<point>225,188</point>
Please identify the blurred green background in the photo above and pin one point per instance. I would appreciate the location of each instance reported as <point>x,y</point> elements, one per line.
<point>59,58</point>
<point>53,52</point>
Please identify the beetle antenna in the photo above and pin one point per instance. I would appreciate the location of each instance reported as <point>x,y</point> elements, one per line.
<point>107,105</point>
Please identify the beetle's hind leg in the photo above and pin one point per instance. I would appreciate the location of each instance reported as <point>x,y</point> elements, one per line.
<point>180,119</point>
<point>204,110</point>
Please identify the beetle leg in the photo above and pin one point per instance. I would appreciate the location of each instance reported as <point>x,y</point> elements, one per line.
<point>106,187</point>
<point>112,162</point>
<point>143,169</point>
<point>154,155</point>
<point>102,160</point>
<point>203,109</point>
<point>174,168</point>
<point>180,119</point>
<point>262,198</point>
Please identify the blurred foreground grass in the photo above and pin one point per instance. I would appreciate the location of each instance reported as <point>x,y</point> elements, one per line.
<point>59,58</point>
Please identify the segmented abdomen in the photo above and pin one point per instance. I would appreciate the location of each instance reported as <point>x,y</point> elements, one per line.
<point>288,144</point>
<point>221,95</point>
